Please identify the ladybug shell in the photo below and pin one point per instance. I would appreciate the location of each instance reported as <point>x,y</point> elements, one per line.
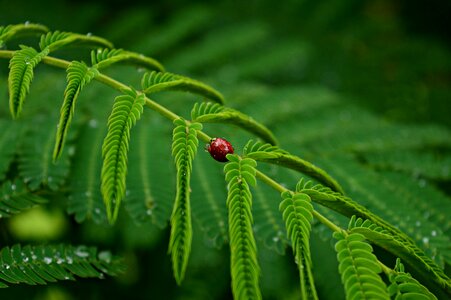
<point>219,148</point>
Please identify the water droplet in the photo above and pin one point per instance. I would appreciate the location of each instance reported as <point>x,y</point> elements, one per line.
<point>81,251</point>
<point>13,187</point>
<point>66,277</point>
<point>275,239</point>
<point>149,212</point>
<point>141,70</point>
<point>97,211</point>
<point>418,223</point>
<point>434,233</point>
<point>89,34</point>
<point>99,50</point>
<point>105,256</point>
<point>50,179</point>
<point>101,276</point>
<point>60,261</point>
<point>88,194</point>
<point>48,260</point>
<point>93,123</point>
<point>426,240</point>
<point>69,260</point>
<point>27,23</point>
<point>7,267</point>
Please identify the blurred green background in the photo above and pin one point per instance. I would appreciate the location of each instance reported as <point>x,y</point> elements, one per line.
<point>390,59</point>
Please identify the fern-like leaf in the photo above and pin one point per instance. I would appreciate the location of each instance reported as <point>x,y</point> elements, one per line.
<point>35,157</point>
<point>345,206</point>
<point>359,268</point>
<point>78,75</point>
<point>274,155</point>
<point>208,112</point>
<point>422,266</point>
<point>15,198</point>
<point>239,174</point>
<point>42,264</point>
<point>153,82</point>
<point>10,31</point>
<point>85,199</point>
<point>20,76</point>
<point>404,286</point>
<point>57,39</point>
<point>297,214</point>
<point>184,148</point>
<point>127,109</point>
<point>103,58</point>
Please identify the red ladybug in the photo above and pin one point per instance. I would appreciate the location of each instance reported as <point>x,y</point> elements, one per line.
<point>219,148</point>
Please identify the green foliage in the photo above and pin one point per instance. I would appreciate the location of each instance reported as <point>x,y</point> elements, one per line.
<point>85,200</point>
<point>10,31</point>
<point>154,81</point>
<point>127,110</point>
<point>359,267</point>
<point>35,164</point>
<point>16,198</point>
<point>55,40</point>
<point>239,174</point>
<point>102,58</point>
<point>184,148</point>
<point>404,286</point>
<point>297,214</point>
<point>20,76</point>
<point>43,264</point>
<point>424,268</point>
<point>267,153</point>
<point>78,75</point>
<point>208,112</point>
<point>393,174</point>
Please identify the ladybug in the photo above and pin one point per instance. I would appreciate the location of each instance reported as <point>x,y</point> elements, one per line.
<point>219,148</point>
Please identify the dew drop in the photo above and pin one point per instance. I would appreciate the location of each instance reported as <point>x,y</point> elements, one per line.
<point>93,123</point>
<point>13,187</point>
<point>149,212</point>
<point>48,260</point>
<point>434,233</point>
<point>418,223</point>
<point>426,240</point>
<point>27,23</point>
<point>275,239</point>
<point>89,34</point>
<point>81,251</point>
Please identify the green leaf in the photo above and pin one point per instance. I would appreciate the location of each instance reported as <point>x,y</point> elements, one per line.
<point>15,198</point>
<point>57,39</point>
<point>359,268</point>
<point>78,75</point>
<point>42,264</point>
<point>274,155</point>
<point>154,82</point>
<point>85,199</point>
<point>207,112</point>
<point>103,58</point>
<point>297,214</point>
<point>127,109</point>
<point>184,148</point>
<point>21,74</point>
<point>35,157</point>
<point>11,31</point>
<point>151,179</point>
<point>404,286</point>
<point>244,265</point>
<point>420,264</point>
